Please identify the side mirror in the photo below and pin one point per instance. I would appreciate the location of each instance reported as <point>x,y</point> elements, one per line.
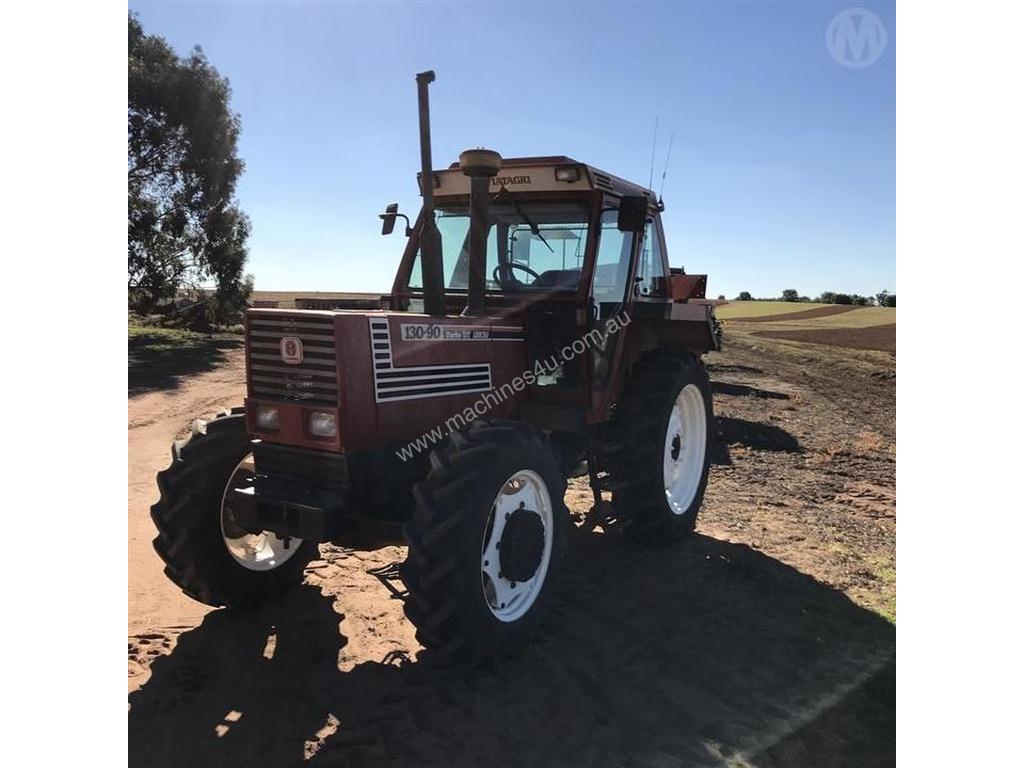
<point>633,213</point>
<point>388,217</point>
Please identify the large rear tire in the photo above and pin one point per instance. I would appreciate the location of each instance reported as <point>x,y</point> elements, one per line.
<point>485,542</point>
<point>664,425</point>
<point>204,553</point>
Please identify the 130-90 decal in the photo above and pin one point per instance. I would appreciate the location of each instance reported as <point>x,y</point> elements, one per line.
<point>392,383</point>
<point>438,332</point>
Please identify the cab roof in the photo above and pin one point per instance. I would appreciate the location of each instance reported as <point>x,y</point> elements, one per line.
<point>537,174</point>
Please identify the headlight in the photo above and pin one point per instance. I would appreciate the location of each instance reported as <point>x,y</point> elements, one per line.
<point>323,424</point>
<point>268,418</point>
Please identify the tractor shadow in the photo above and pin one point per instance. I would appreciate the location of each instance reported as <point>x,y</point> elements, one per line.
<point>708,653</point>
<point>743,390</point>
<point>753,434</point>
<point>157,363</point>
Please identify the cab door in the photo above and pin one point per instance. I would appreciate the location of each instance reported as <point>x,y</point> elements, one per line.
<point>651,268</point>
<point>611,294</point>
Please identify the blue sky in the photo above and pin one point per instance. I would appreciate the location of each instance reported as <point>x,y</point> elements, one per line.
<point>783,167</point>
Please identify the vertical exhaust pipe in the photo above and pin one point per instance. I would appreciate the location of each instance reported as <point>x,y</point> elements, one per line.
<point>479,165</point>
<point>430,238</point>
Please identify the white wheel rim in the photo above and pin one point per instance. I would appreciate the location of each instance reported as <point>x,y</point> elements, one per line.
<point>509,600</point>
<point>263,551</point>
<point>685,443</point>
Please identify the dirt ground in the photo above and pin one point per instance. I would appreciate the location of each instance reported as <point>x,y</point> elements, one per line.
<point>762,641</point>
<point>878,337</point>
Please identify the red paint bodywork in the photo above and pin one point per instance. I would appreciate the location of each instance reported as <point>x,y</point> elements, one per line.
<point>364,424</point>
<point>674,315</point>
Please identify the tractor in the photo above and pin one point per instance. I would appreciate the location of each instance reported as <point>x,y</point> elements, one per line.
<point>534,332</point>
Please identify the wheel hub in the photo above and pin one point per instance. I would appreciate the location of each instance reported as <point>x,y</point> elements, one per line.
<point>517,545</point>
<point>253,550</point>
<point>522,545</point>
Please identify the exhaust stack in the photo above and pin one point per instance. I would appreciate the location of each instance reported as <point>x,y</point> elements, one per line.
<point>430,238</point>
<point>479,165</point>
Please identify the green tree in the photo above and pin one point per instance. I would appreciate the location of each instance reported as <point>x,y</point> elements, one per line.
<point>744,296</point>
<point>185,230</point>
<point>791,294</point>
<point>827,297</point>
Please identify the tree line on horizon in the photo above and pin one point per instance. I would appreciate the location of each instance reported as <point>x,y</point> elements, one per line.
<point>881,299</point>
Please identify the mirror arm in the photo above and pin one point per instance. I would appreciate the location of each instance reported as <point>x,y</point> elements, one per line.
<point>408,224</point>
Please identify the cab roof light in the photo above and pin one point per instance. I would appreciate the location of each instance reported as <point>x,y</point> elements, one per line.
<point>567,173</point>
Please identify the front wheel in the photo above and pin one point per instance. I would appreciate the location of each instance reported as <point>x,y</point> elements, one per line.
<point>206,553</point>
<point>485,541</point>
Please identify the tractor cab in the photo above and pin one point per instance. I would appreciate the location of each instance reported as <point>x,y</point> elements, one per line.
<point>567,249</point>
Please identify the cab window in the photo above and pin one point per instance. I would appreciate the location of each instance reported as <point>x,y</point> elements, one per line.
<point>608,292</point>
<point>611,269</point>
<point>650,270</point>
<point>531,245</point>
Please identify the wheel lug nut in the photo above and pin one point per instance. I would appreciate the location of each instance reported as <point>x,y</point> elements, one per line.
<point>513,585</point>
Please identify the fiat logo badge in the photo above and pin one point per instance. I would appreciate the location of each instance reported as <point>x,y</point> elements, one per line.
<point>291,350</point>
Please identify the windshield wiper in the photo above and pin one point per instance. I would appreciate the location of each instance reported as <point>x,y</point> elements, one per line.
<point>534,229</point>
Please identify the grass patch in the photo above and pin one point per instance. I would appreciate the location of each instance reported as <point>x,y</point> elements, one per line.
<point>884,569</point>
<point>860,317</point>
<point>888,611</point>
<point>158,358</point>
<point>762,308</point>
<point>144,337</point>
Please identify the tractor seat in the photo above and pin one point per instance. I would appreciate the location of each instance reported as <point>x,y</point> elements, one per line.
<point>557,278</point>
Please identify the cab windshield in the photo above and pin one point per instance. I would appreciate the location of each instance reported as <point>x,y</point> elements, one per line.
<point>531,246</point>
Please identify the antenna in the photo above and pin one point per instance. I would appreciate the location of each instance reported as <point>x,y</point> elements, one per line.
<point>664,170</point>
<point>654,145</point>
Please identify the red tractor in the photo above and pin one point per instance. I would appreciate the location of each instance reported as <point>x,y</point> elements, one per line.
<point>534,332</point>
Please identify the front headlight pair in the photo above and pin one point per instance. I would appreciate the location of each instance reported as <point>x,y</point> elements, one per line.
<point>321,423</point>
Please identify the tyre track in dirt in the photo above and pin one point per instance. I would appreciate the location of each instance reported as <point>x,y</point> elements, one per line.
<point>741,647</point>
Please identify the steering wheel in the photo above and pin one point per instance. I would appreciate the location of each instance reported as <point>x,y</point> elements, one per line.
<point>508,267</point>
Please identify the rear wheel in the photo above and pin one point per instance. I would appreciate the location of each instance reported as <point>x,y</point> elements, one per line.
<point>206,553</point>
<point>485,541</point>
<point>663,422</point>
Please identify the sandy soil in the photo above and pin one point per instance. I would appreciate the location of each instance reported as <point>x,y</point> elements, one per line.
<point>758,642</point>
<point>154,419</point>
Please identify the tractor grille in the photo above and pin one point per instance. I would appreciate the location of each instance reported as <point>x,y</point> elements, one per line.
<point>314,380</point>
<point>299,476</point>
